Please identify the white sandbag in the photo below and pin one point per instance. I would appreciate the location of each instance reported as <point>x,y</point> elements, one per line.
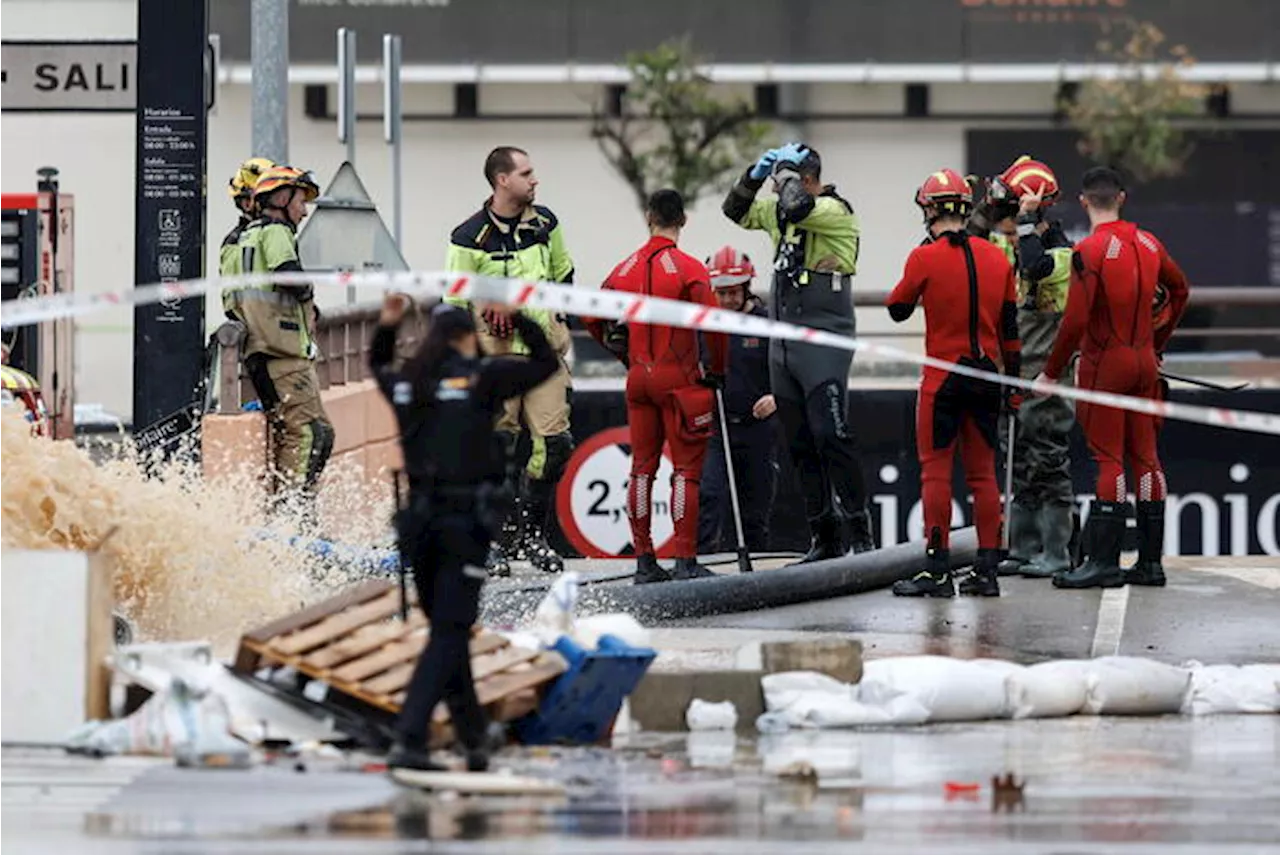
<point>1225,689</point>
<point>807,699</point>
<point>587,630</point>
<point>783,689</point>
<point>948,689</point>
<point>704,715</point>
<point>1131,685</point>
<point>1048,690</point>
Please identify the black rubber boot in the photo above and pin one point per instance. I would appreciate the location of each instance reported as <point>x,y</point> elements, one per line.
<point>859,531</point>
<point>1024,539</point>
<point>824,542</point>
<point>1103,536</point>
<point>1149,570</point>
<point>402,756</point>
<point>511,536</point>
<point>689,568</point>
<point>648,570</point>
<point>537,505</point>
<point>1055,524</point>
<point>934,580</point>
<point>981,581</point>
<point>496,561</point>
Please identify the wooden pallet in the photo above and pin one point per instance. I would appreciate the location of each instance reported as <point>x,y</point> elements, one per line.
<point>357,645</point>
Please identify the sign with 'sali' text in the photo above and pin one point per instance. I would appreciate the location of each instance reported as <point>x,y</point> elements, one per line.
<point>68,77</point>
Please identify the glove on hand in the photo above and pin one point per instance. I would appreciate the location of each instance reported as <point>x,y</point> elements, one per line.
<point>1012,399</point>
<point>498,323</point>
<point>764,165</point>
<point>791,153</point>
<point>712,380</point>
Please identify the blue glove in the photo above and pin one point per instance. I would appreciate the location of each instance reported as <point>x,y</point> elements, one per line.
<point>764,166</point>
<point>791,153</point>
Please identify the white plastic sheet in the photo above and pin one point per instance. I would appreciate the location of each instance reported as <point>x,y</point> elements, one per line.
<point>179,720</point>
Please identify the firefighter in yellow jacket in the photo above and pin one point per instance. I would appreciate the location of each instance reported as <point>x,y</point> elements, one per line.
<point>241,190</point>
<point>279,350</point>
<point>512,237</point>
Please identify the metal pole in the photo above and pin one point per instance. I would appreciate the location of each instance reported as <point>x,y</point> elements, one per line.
<point>347,91</point>
<point>392,124</point>
<point>744,557</point>
<point>269,48</point>
<point>1008,484</point>
<point>347,105</point>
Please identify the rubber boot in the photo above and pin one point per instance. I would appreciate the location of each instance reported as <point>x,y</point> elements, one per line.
<point>1149,570</point>
<point>1024,539</point>
<point>982,580</point>
<point>496,562</point>
<point>510,538</point>
<point>648,570</point>
<point>1103,536</point>
<point>859,531</point>
<point>824,542</point>
<point>689,568</point>
<point>403,756</point>
<point>537,505</point>
<point>1056,523</point>
<point>934,580</point>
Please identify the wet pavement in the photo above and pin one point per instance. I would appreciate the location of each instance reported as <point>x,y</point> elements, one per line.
<point>1215,610</point>
<point>1091,785</point>
<point>1155,785</point>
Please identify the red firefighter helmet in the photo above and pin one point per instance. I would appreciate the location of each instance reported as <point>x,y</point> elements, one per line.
<point>1025,176</point>
<point>1161,309</point>
<point>946,192</point>
<point>729,268</point>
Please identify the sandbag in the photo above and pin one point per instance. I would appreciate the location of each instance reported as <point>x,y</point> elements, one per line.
<point>179,720</point>
<point>1048,690</point>
<point>587,630</point>
<point>1130,685</point>
<point>807,699</point>
<point>948,689</point>
<point>705,715</point>
<point>1224,689</point>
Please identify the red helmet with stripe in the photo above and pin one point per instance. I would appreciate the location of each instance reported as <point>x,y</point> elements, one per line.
<point>1025,176</point>
<point>945,192</point>
<point>729,268</point>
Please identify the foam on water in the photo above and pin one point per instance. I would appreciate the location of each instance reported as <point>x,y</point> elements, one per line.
<point>189,557</point>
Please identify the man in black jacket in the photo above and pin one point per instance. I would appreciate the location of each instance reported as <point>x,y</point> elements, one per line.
<point>749,408</point>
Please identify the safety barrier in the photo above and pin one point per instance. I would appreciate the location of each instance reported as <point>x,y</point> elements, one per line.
<point>602,304</point>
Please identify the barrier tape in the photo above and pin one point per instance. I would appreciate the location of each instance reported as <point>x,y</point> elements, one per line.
<point>614,305</point>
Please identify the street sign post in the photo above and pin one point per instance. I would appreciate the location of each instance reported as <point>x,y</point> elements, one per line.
<point>68,77</point>
<point>168,339</point>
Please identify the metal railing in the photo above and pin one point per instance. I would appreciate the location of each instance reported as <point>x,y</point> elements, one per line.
<point>345,335</point>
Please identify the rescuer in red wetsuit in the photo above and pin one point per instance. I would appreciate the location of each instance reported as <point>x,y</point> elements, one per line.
<point>967,287</point>
<point>669,396</point>
<point>1115,274</point>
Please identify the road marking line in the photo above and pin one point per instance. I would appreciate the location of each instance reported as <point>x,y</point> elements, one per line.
<point>1111,608</point>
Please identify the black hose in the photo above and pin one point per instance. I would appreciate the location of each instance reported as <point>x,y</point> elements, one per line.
<point>665,601</point>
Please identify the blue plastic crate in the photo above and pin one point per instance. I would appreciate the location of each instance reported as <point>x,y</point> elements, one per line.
<point>581,706</point>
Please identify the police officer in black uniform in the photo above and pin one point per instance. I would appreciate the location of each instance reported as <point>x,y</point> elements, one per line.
<point>446,398</point>
<point>749,408</point>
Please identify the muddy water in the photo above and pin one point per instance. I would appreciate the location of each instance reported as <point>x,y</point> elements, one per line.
<point>190,558</point>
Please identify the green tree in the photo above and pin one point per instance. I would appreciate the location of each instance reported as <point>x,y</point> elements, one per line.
<point>673,130</point>
<point>1135,120</point>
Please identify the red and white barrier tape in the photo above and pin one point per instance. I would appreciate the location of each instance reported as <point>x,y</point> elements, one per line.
<point>592,302</point>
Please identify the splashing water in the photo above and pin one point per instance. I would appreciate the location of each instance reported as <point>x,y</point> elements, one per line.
<point>191,558</point>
